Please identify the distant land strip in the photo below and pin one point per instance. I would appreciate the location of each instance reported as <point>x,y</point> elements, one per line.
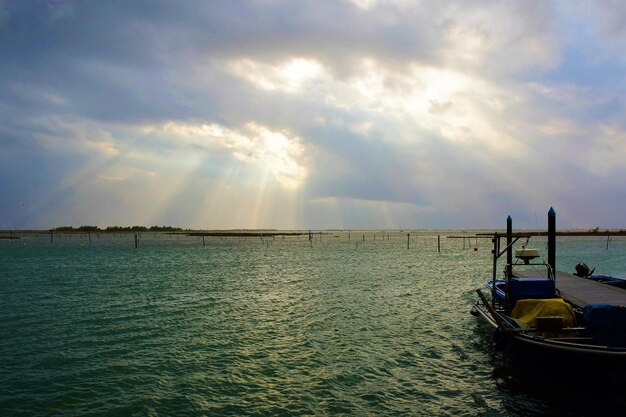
<point>249,233</point>
<point>452,234</point>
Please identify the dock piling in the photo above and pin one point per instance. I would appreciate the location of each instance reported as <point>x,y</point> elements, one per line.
<point>552,239</point>
<point>509,251</point>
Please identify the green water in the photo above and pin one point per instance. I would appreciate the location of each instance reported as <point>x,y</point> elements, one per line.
<point>260,327</point>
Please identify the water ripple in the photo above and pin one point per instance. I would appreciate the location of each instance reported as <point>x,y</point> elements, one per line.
<point>243,328</point>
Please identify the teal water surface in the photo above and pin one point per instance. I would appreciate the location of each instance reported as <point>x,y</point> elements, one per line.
<point>337,326</point>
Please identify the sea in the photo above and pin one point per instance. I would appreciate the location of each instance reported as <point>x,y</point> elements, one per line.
<point>372,323</point>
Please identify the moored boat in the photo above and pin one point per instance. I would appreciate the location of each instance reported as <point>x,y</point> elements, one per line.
<point>539,317</point>
<point>583,271</point>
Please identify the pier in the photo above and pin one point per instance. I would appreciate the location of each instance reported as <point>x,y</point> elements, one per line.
<point>582,291</point>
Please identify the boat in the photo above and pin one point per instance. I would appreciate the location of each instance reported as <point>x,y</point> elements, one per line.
<point>582,270</point>
<point>548,321</point>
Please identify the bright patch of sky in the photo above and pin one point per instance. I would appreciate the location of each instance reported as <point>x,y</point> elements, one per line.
<point>336,114</point>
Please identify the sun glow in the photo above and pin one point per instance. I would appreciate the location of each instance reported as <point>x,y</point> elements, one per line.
<point>290,76</point>
<point>279,152</point>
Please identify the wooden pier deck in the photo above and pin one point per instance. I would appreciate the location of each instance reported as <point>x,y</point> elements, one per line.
<point>581,291</point>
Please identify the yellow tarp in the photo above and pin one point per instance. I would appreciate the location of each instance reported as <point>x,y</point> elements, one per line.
<point>526,310</point>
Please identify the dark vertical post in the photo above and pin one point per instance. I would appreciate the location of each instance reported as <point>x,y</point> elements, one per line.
<point>89,235</point>
<point>552,239</point>
<point>509,251</point>
<point>438,244</point>
<point>136,241</point>
<point>608,239</point>
<point>348,235</point>
<point>408,240</point>
<point>51,236</point>
<point>202,240</point>
<point>495,251</point>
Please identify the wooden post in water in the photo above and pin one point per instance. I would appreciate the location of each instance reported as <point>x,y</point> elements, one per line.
<point>552,239</point>
<point>136,241</point>
<point>608,238</point>
<point>348,235</point>
<point>438,243</point>
<point>408,240</point>
<point>51,236</point>
<point>203,240</point>
<point>509,251</point>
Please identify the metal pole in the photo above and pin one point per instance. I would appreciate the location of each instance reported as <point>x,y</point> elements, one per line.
<point>552,239</point>
<point>495,251</point>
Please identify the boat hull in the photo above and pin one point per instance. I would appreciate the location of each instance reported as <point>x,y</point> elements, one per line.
<point>557,358</point>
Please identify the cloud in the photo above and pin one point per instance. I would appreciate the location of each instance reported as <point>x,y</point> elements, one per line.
<point>280,152</point>
<point>361,113</point>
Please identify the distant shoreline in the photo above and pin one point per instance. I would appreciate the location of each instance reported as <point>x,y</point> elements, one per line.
<point>12,234</point>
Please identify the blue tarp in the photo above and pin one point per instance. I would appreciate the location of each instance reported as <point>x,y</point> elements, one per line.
<point>606,323</point>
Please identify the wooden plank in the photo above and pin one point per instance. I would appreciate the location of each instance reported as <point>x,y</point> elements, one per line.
<point>584,291</point>
<point>581,291</point>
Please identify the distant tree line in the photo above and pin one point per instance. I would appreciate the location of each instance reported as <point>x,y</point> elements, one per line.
<point>117,229</point>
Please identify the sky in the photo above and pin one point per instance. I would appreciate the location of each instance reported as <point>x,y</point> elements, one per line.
<point>321,114</point>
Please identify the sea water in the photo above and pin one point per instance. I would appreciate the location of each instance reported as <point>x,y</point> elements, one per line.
<point>341,324</point>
